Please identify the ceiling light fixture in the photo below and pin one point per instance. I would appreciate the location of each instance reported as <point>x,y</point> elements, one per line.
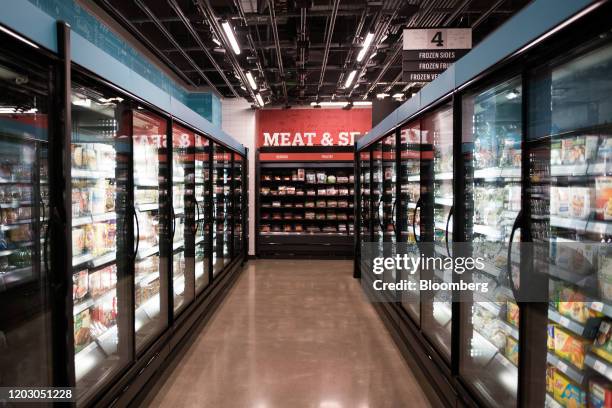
<point>329,104</point>
<point>382,95</point>
<point>513,94</point>
<point>365,46</point>
<point>216,41</point>
<point>260,100</point>
<point>398,95</point>
<point>231,37</point>
<point>251,79</point>
<point>362,103</point>
<point>373,54</point>
<point>350,78</point>
<point>17,36</point>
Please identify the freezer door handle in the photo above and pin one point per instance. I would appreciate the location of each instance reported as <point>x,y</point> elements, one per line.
<point>450,214</point>
<point>137,231</point>
<point>393,217</point>
<point>173,222</point>
<point>515,226</point>
<point>197,221</point>
<point>416,207</point>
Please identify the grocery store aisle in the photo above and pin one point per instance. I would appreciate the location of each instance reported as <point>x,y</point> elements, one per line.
<point>293,334</point>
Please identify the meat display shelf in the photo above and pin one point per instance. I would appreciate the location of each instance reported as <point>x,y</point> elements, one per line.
<point>497,172</point>
<point>92,174</point>
<point>93,261</point>
<point>91,301</point>
<point>91,219</point>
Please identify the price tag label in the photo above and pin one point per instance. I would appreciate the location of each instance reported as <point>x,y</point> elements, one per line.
<point>564,321</point>
<point>597,306</point>
<point>599,366</point>
<point>562,367</point>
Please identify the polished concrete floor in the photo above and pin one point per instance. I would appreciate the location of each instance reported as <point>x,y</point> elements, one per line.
<point>293,334</point>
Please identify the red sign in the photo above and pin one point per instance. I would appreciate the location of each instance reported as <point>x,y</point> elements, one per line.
<point>312,127</point>
<point>303,157</point>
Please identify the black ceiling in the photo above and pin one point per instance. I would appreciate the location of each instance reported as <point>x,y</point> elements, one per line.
<point>318,41</point>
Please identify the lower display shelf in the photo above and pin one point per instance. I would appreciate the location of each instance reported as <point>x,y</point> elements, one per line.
<point>570,371</point>
<point>600,365</point>
<point>95,353</point>
<point>147,311</point>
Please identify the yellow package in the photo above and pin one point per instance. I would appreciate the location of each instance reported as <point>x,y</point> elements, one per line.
<point>570,348</point>
<point>512,350</point>
<point>512,313</point>
<point>550,379</point>
<point>567,393</point>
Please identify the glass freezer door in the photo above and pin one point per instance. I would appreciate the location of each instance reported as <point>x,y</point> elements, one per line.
<point>365,204</point>
<point>202,206</point>
<point>150,171</point>
<point>408,205</point>
<point>222,230</point>
<point>25,356</point>
<point>238,203</point>
<point>101,256</point>
<point>570,141</point>
<point>437,132</point>
<point>376,193</point>
<point>183,217</point>
<point>491,146</point>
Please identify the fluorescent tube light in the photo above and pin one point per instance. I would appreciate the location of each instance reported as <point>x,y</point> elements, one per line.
<point>14,110</point>
<point>373,54</point>
<point>365,46</point>
<point>398,95</point>
<point>362,103</point>
<point>231,37</point>
<point>330,104</point>
<point>382,95</point>
<point>251,80</point>
<point>350,79</point>
<point>216,41</point>
<point>17,36</point>
<point>259,100</point>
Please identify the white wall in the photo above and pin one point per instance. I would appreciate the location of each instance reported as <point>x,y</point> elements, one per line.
<point>238,119</point>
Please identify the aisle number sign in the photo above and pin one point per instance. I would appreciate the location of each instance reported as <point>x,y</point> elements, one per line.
<point>428,52</point>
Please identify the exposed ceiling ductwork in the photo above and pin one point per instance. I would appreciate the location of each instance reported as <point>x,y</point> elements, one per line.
<point>296,51</point>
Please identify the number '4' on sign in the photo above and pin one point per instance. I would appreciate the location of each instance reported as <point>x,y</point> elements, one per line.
<point>437,39</point>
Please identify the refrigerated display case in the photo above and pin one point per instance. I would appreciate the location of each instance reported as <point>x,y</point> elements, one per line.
<point>238,209</point>
<point>150,192</point>
<point>202,202</point>
<point>101,257</point>
<point>491,149</point>
<point>183,217</point>
<point>437,183</point>
<point>570,145</point>
<point>222,208</point>
<point>365,206</point>
<point>408,213</point>
<point>25,274</point>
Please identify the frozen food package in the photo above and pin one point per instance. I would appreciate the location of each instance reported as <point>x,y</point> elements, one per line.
<point>550,343</point>
<point>554,200</point>
<point>563,203</point>
<point>602,345</point>
<point>580,202</point>
<point>321,177</point>
<point>80,284</point>
<point>512,313</point>
<point>550,379</point>
<point>573,150</point>
<point>78,241</point>
<point>311,177</point>
<point>300,174</point>
<point>600,394</point>
<point>568,393</point>
<point>512,350</point>
<point>570,348</point>
<point>603,198</point>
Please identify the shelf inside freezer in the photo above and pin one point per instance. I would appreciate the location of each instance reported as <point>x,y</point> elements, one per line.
<point>95,352</point>
<point>551,402</point>
<point>92,260</point>
<point>490,232</point>
<point>599,364</point>
<point>178,245</point>
<point>597,227</point>
<point>16,204</point>
<point>497,172</point>
<point>92,174</point>
<point>566,322</point>
<point>509,329</point>
<point>444,201</point>
<point>90,219</point>
<point>572,372</point>
<point>139,182</point>
<point>148,207</point>
<point>15,276</point>
<point>146,252</point>
<point>444,176</point>
<point>147,311</point>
